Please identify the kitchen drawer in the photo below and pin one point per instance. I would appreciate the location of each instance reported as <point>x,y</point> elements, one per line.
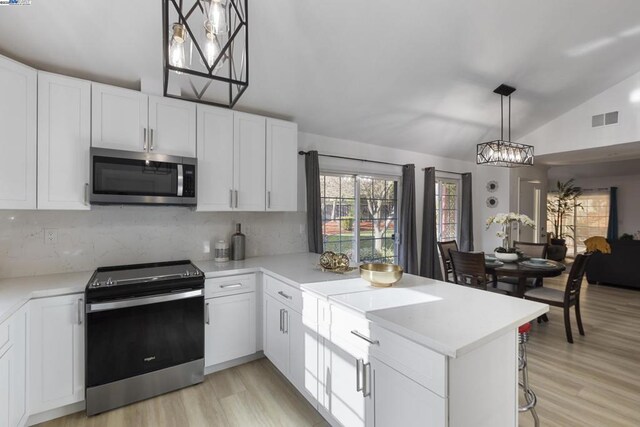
<point>230,285</point>
<point>4,336</point>
<point>349,331</point>
<point>419,363</point>
<point>284,293</point>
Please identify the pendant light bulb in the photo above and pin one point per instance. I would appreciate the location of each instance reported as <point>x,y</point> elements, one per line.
<point>176,46</point>
<point>212,47</point>
<point>217,15</point>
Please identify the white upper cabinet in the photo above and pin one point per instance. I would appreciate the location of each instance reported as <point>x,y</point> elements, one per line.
<point>119,118</point>
<point>18,97</point>
<point>282,166</point>
<point>215,159</point>
<point>250,153</point>
<point>172,127</point>
<point>64,139</point>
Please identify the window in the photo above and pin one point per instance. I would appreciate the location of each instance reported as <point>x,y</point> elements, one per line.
<point>359,216</point>
<point>592,219</point>
<point>447,209</point>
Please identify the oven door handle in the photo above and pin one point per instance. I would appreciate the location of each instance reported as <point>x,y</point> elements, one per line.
<point>134,302</point>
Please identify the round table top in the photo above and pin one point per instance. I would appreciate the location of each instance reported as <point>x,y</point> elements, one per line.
<point>517,269</point>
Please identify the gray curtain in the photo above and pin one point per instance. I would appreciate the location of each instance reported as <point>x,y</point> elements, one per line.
<point>408,247</point>
<point>429,263</point>
<point>314,207</point>
<point>612,229</point>
<point>466,214</point>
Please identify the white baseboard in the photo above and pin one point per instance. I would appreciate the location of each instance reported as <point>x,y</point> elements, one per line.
<point>55,413</point>
<point>232,363</point>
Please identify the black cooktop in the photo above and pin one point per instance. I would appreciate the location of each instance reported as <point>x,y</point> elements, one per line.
<point>143,279</point>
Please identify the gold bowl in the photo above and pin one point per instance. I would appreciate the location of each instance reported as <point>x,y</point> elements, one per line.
<point>381,275</point>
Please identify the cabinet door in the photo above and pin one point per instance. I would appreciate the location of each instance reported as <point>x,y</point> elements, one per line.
<point>249,162</point>
<point>215,159</point>
<point>172,127</point>
<point>18,97</point>
<point>18,368</point>
<point>276,340</point>
<point>303,356</point>
<point>119,118</point>
<point>398,400</point>
<point>56,352</point>
<point>230,330</point>
<point>5,382</point>
<point>64,138</point>
<point>344,399</point>
<point>282,165</point>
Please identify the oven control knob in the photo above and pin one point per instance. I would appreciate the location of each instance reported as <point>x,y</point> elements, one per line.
<point>187,273</point>
<point>96,283</point>
<point>110,282</point>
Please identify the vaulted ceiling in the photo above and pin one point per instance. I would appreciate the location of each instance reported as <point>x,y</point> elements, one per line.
<point>412,74</point>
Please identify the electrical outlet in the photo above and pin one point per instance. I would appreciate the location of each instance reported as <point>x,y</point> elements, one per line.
<point>50,236</point>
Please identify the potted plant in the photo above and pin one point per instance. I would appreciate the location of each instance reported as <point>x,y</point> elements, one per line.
<point>507,252</point>
<point>559,207</point>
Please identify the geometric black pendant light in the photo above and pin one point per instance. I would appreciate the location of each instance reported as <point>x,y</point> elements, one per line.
<point>205,45</point>
<point>501,152</point>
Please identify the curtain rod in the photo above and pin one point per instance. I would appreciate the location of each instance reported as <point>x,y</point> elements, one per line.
<point>302,153</point>
<point>441,171</point>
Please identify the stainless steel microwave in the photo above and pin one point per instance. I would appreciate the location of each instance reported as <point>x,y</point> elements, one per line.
<point>129,177</point>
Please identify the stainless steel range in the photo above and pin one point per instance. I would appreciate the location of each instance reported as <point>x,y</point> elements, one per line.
<point>144,332</point>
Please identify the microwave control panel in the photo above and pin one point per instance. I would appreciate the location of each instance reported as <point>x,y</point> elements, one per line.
<point>189,189</point>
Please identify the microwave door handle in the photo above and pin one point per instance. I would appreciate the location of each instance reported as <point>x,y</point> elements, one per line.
<point>180,181</point>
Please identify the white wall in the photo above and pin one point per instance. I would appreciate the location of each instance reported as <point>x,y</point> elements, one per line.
<point>535,173</point>
<point>628,196</point>
<point>573,131</point>
<point>484,240</point>
<point>115,235</point>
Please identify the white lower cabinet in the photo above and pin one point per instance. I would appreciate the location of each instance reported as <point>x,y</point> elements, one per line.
<point>56,350</point>
<point>230,329</point>
<point>13,369</point>
<point>5,380</point>
<point>399,401</point>
<point>276,338</point>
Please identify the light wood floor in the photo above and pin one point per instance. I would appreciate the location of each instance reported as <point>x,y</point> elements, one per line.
<point>593,382</point>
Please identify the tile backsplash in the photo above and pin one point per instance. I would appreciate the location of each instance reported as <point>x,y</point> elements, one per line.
<point>47,242</point>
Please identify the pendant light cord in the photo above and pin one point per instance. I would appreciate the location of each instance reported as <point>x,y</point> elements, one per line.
<point>509,117</point>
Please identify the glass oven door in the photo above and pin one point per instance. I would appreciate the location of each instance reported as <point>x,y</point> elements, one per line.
<point>125,338</point>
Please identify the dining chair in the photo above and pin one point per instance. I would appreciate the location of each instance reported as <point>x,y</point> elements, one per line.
<point>532,250</point>
<point>444,248</point>
<point>566,299</point>
<point>469,270</point>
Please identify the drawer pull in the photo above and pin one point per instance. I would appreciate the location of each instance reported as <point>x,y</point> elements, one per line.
<point>367,339</point>
<point>231,285</point>
<point>282,294</point>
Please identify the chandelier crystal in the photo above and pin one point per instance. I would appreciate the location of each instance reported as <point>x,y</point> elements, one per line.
<point>501,152</point>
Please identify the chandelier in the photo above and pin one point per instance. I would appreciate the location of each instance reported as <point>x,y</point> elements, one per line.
<point>501,152</point>
<point>205,45</point>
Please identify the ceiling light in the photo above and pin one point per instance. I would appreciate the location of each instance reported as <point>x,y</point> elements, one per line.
<point>501,152</point>
<point>207,64</point>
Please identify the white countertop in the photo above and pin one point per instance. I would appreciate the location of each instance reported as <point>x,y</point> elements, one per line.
<point>444,317</point>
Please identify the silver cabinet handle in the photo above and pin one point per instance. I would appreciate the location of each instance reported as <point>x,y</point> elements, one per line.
<point>366,380</point>
<point>207,320</point>
<point>359,365</point>
<point>269,199</point>
<point>144,140</point>
<point>282,294</point>
<point>86,194</point>
<point>236,198</point>
<point>282,320</point>
<point>231,198</point>
<point>151,146</point>
<point>367,339</point>
<point>231,285</point>
<point>80,309</point>
<point>286,322</point>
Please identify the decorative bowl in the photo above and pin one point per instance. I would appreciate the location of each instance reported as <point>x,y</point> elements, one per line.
<point>506,257</point>
<point>381,275</point>
<point>538,261</point>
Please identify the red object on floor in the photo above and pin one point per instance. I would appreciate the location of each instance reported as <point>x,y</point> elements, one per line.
<point>524,328</point>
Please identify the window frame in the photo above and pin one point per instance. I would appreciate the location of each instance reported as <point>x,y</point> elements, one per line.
<point>356,244</point>
<point>458,183</point>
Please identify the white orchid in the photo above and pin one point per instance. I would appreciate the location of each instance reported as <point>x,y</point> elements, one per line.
<point>505,220</point>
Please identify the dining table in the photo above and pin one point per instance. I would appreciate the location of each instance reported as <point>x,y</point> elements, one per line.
<point>523,270</point>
